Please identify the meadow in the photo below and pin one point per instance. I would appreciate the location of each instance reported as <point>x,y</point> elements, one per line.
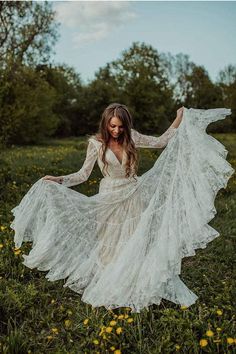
<point>38,316</point>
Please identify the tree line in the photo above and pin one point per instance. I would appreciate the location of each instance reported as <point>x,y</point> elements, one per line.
<point>39,99</point>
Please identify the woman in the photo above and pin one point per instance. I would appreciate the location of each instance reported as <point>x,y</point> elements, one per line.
<point>123,246</point>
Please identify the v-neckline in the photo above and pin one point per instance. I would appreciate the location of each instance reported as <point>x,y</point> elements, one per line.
<point>121,163</point>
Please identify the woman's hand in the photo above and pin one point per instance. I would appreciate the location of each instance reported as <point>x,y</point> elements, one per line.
<point>180,113</point>
<point>58,179</point>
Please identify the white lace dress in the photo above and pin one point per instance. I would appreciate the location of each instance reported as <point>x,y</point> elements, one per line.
<point>123,246</point>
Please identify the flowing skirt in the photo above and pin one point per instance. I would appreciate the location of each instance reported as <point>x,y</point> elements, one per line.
<point>124,245</point>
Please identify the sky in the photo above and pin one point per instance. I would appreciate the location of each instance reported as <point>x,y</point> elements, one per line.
<point>93,33</point>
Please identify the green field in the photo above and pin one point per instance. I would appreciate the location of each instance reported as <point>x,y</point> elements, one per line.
<point>38,316</point>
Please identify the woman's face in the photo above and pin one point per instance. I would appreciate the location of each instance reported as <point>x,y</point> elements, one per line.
<point>115,127</point>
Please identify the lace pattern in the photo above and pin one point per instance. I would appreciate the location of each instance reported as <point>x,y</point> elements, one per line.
<point>140,140</point>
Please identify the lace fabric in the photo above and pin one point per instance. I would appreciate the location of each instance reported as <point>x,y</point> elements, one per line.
<point>92,154</point>
<point>124,245</point>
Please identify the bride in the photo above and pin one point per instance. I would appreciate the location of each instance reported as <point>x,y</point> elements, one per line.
<point>123,246</point>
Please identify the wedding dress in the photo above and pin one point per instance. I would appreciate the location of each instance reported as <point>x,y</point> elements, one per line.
<point>123,246</point>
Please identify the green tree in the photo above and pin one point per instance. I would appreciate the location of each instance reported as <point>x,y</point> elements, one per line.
<point>140,82</point>
<point>26,103</point>
<point>28,31</point>
<point>226,81</point>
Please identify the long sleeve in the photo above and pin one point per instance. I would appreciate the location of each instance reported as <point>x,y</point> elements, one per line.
<point>148,141</point>
<point>83,174</point>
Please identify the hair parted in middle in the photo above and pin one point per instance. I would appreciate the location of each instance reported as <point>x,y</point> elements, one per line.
<point>120,111</point>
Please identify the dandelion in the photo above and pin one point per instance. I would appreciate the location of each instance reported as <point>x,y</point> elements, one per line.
<point>49,337</point>
<point>183,307</point>
<point>112,348</point>
<point>108,329</point>
<point>118,330</point>
<point>117,351</point>
<point>1,245</point>
<point>219,312</point>
<point>86,321</point>
<point>130,320</point>
<point>67,323</point>
<point>203,342</point>
<point>113,323</point>
<point>95,341</point>
<point>126,316</point>
<point>120,317</point>
<point>209,333</point>
<point>230,340</point>
<point>55,330</point>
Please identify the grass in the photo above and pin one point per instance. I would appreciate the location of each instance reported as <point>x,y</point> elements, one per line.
<point>38,316</point>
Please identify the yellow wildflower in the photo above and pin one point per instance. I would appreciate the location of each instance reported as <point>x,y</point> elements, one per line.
<point>86,321</point>
<point>17,251</point>
<point>108,329</point>
<point>49,337</point>
<point>209,333</point>
<point>183,307</point>
<point>117,351</point>
<point>52,301</point>
<point>1,245</point>
<point>118,330</point>
<point>130,320</point>
<point>128,308</point>
<point>203,342</point>
<point>230,340</point>
<point>113,323</point>
<point>55,330</point>
<point>126,316</point>
<point>115,316</point>
<point>69,312</point>
<point>112,347</point>
<point>95,341</point>
<point>219,312</point>
<point>218,329</point>
<point>67,323</point>
<point>120,317</point>
<point>177,347</point>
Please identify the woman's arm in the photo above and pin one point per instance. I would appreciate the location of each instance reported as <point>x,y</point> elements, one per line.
<point>148,141</point>
<point>83,174</point>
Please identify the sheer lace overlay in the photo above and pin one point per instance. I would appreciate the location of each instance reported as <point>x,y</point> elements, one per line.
<point>92,154</point>
<point>83,174</point>
<point>148,141</point>
<point>124,245</point>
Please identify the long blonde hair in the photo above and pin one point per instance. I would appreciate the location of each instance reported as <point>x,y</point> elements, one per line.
<point>120,111</point>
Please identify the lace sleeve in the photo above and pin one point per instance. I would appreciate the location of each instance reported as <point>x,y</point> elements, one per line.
<point>148,141</point>
<point>83,174</point>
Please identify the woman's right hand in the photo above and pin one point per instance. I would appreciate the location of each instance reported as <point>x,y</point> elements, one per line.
<point>57,179</point>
